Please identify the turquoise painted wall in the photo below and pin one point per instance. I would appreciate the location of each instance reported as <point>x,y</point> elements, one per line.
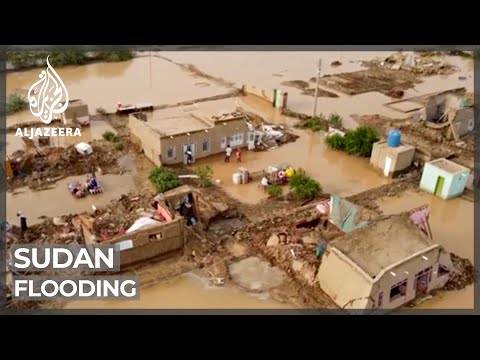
<point>453,186</point>
<point>457,187</point>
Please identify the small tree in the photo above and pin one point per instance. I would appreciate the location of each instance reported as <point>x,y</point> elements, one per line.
<point>275,191</point>
<point>335,142</point>
<point>360,141</point>
<point>303,186</point>
<point>205,174</point>
<point>163,179</point>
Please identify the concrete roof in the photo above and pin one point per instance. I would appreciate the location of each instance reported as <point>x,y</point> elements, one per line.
<point>189,118</point>
<point>373,248</point>
<point>175,125</point>
<point>448,166</point>
<point>396,150</point>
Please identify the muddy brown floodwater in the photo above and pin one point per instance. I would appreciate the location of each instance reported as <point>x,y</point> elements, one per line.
<point>187,291</point>
<point>105,84</point>
<point>267,70</point>
<point>452,227</point>
<point>58,201</point>
<point>337,172</point>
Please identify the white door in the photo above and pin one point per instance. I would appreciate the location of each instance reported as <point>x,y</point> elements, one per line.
<point>223,143</point>
<point>186,147</point>
<point>251,140</point>
<point>388,165</point>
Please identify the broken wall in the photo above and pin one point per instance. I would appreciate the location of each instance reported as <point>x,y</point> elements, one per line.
<point>152,241</point>
<point>437,105</point>
<point>464,121</point>
<point>344,282</point>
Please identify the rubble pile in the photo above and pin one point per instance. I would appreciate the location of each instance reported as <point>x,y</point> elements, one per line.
<point>433,142</point>
<point>421,65</point>
<point>464,275</point>
<point>267,135</point>
<point>59,230</point>
<point>39,169</point>
<point>288,244</point>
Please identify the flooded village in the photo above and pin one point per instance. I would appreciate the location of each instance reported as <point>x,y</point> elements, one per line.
<point>257,180</point>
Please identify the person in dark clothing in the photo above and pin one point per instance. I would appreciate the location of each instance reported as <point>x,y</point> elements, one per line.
<point>189,155</point>
<point>23,222</point>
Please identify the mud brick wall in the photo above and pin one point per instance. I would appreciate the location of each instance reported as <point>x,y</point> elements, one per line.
<point>147,138</point>
<point>152,242</point>
<point>214,137</point>
<point>268,95</point>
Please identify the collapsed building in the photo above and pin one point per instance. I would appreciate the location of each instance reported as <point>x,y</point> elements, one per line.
<point>368,268</point>
<point>447,109</point>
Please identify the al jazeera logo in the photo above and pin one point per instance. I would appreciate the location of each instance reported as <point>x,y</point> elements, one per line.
<point>48,97</point>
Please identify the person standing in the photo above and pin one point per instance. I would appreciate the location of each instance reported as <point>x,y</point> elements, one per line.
<point>239,155</point>
<point>228,153</point>
<point>23,222</point>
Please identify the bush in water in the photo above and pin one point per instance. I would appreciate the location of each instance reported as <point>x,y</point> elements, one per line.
<point>303,186</point>
<point>16,102</point>
<point>205,174</point>
<point>163,179</point>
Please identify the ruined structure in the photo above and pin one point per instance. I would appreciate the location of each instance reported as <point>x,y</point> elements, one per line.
<point>368,268</point>
<point>440,110</point>
<point>77,112</point>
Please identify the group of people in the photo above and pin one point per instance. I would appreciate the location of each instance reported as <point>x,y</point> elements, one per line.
<point>281,178</point>
<point>228,154</point>
<point>91,183</point>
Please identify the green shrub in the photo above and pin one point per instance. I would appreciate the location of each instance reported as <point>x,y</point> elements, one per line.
<point>108,135</point>
<point>16,102</point>
<point>316,124</point>
<point>303,186</point>
<point>163,179</point>
<point>114,56</point>
<point>275,191</point>
<point>118,146</point>
<point>360,141</point>
<point>205,174</point>
<point>115,139</point>
<point>336,121</point>
<point>335,142</point>
<point>63,58</point>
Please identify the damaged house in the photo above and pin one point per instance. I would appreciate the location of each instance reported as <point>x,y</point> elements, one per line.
<point>440,110</point>
<point>368,268</point>
<point>166,136</point>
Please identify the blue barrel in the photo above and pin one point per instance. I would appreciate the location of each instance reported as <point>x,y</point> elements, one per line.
<point>393,138</point>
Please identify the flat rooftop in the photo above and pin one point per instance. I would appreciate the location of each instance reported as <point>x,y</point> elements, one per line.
<point>448,166</point>
<point>177,124</point>
<point>373,248</point>
<point>193,117</point>
<point>398,149</point>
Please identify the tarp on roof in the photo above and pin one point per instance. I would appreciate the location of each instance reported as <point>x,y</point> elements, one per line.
<point>142,223</point>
